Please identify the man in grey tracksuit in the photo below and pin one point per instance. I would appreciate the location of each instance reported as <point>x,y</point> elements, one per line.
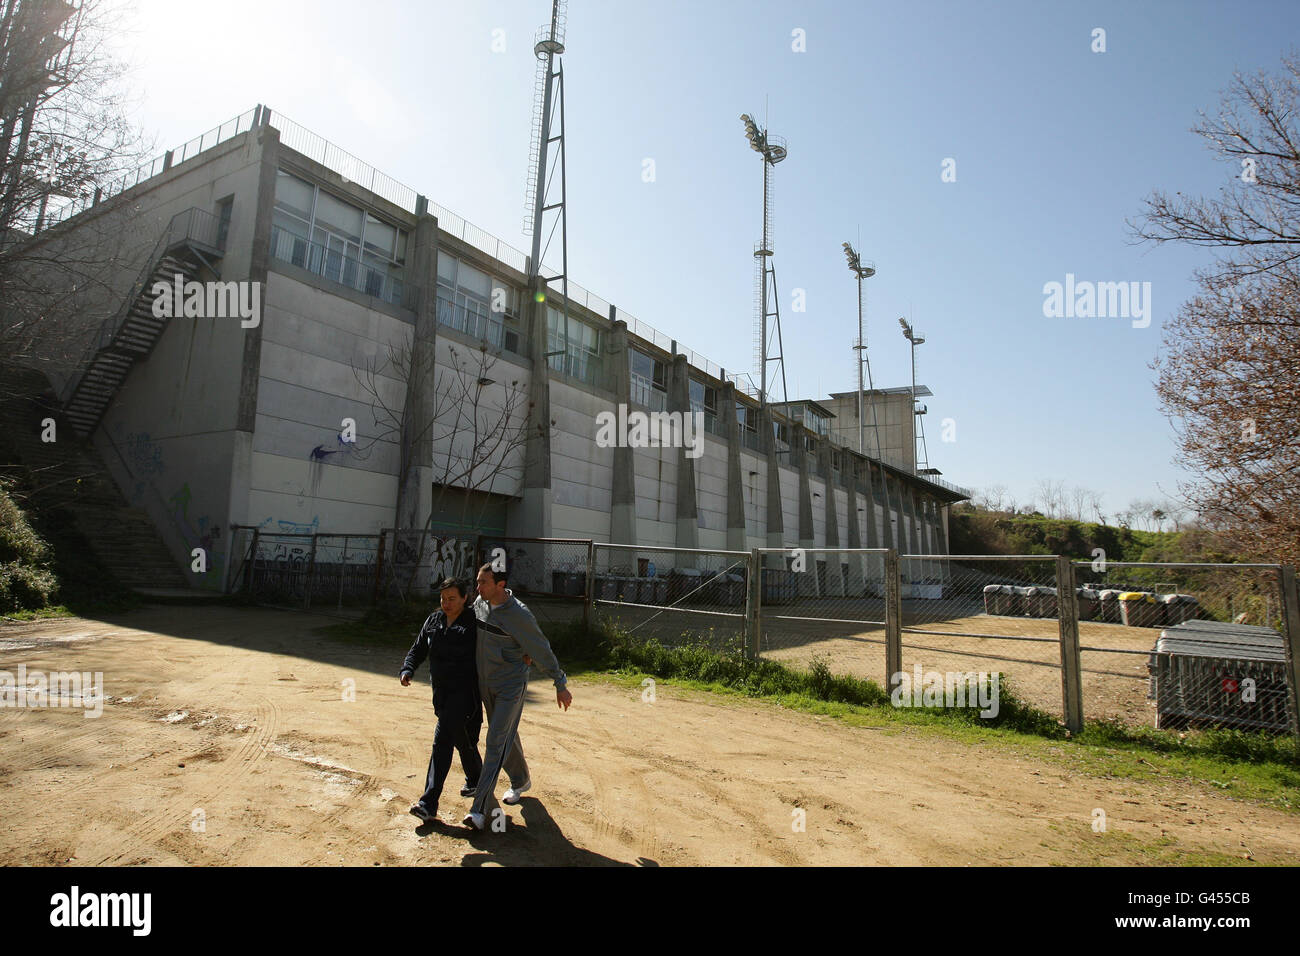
<point>508,638</point>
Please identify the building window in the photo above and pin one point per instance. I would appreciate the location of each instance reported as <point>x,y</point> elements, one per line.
<point>705,399</point>
<point>466,297</point>
<point>573,347</point>
<point>649,381</point>
<point>329,236</point>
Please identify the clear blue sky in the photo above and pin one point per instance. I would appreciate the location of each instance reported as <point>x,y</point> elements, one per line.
<point>1055,146</point>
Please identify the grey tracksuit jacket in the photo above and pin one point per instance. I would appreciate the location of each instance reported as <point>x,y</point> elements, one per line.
<point>505,635</point>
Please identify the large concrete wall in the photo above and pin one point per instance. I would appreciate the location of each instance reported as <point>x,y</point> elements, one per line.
<point>316,346</point>
<point>582,472</point>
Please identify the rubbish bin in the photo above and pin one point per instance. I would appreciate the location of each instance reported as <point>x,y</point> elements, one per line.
<point>1138,609</point>
<point>1108,605</point>
<point>683,582</point>
<point>778,586</point>
<point>1180,608</point>
<point>658,591</point>
<point>1021,600</point>
<point>1087,600</point>
<point>996,599</point>
<point>730,589</point>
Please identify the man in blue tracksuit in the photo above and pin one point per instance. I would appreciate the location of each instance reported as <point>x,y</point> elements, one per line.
<point>508,641</point>
<point>449,638</point>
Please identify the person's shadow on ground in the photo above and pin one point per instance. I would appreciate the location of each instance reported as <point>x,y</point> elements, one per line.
<point>540,842</point>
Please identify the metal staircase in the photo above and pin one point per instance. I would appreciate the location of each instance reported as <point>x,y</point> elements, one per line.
<point>191,246</point>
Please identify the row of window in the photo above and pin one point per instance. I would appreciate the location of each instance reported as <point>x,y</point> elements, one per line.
<point>342,231</point>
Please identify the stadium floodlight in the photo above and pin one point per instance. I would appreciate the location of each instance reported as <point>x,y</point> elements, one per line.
<point>909,333</point>
<point>862,271</point>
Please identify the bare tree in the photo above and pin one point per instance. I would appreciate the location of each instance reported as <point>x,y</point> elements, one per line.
<point>992,498</point>
<point>1094,506</point>
<point>64,133</point>
<point>477,428</point>
<point>1228,376</point>
<point>1052,494</point>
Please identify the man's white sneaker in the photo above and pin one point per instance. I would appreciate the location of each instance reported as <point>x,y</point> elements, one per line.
<point>511,796</point>
<point>475,820</point>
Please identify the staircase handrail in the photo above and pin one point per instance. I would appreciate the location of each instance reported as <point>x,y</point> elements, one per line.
<point>193,224</point>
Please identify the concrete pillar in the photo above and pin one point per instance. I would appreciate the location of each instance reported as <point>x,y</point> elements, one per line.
<point>834,560</point>
<point>622,518</point>
<point>886,506</point>
<point>688,516</point>
<point>775,517</point>
<point>855,584</point>
<point>268,141</point>
<point>806,583</point>
<point>415,469</point>
<point>530,516</point>
<point>737,536</point>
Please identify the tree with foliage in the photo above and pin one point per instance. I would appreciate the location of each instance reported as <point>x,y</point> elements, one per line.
<point>1229,372</point>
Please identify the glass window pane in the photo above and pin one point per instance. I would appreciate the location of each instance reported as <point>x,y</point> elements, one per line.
<point>293,194</point>
<point>338,217</point>
<point>472,280</point>
<point>380,237</point>
<point>446,269</point>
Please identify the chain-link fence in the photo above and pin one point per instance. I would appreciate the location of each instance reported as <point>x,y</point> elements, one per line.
<point>554,568</point>
<point>1185,645</point>
<point>673,595</point>
<point>985,615</point>
<point>824,604</point>
<point>1172,646</point>
<point>304,570</point>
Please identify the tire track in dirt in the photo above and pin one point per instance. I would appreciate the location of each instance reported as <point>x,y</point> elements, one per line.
<point>698,777</point>
<point>170,820</point>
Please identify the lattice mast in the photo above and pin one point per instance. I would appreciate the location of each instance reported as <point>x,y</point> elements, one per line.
<point>546,159</point>
<point>772,149</point>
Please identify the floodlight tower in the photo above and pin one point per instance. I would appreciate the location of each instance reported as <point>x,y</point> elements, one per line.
<point>536,498</point>
<point>773,150</point>
<point>863,270</point>
<point>910,334</point>
<point>548,106</point>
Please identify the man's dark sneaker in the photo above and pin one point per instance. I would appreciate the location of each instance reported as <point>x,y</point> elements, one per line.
<point>423,812</point>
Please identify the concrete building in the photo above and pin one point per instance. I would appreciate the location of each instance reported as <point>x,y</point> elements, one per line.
<point>308,419</point>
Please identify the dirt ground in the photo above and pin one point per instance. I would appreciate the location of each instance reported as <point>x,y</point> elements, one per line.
<point>227,739</point>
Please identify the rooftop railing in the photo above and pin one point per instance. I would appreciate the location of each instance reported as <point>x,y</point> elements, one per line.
<point>213,137</point>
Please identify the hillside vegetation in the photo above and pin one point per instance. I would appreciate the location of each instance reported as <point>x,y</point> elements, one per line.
<point>993,532</point>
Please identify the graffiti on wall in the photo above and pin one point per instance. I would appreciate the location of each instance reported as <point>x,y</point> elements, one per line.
<point>283,526</point>
<point>199,532</point>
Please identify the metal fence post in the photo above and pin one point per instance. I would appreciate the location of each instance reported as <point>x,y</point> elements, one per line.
<point>588,589</point>
<point>343,568</point>
<point>893,621</point>
<point>248,565</point>
<point>311,574</point>
<point>1071,668</point>
<point>754,606</point>
<point>379,567</point>
<point>1291,625</point>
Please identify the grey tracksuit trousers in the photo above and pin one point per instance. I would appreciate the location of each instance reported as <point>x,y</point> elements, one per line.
<point>505,634</point>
